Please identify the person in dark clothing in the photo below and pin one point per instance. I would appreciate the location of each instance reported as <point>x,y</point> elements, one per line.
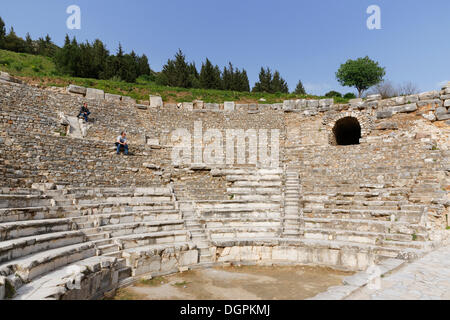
<point>84,111</point>
<point>122,142</point>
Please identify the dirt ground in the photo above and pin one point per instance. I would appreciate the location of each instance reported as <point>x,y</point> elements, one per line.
<point>236,283</point>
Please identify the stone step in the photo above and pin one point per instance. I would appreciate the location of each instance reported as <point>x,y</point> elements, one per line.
<point>144,239</point>
<point>19,229</point>
<point>356,236</point>
<point>364,225</point>
<point>108,248</point>
<point>52,284</point>
<point>16,248</point>
<point>34,265</point>
<point>385,215</point>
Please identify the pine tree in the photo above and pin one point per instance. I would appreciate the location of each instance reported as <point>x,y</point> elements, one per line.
<point>210,76</point>
<point>265,80</point>
<point>300,89</point>
<point>29,46</point>
<point>176,73</point>
<point>13,42</point>
<point>2,33</point>
<point>278,84</point>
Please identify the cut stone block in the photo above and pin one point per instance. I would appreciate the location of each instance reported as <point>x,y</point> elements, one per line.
<point>441,110</point>
<point>199,105</point>
<point>76,89</point>
<point>156,102</point>
<point>374,97</point>
<point>384,114</point>
<point>112,97</point>
<point>228,106</point>
<point>429,95</point>
<point>95,94</point>
<point>312,103</point>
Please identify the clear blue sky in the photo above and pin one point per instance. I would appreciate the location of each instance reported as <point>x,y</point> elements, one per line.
<point>303,39</point>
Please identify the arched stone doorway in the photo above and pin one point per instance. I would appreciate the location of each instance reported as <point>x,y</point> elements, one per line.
<point>347,131</point>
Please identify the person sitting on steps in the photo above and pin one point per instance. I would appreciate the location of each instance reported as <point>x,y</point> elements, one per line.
<point>84,111</point>
<point>122,141</point>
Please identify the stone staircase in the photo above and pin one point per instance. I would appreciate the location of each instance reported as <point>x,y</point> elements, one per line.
<point>126,229</point>
<point>253,209</point>
<point>292,214</point>
<point>376,194</point>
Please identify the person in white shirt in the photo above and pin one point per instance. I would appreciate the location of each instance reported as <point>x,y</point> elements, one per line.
<point>122,141</point>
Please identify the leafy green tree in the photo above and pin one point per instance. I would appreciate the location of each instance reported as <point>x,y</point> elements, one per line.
<point>300,89</point>
<point>333,94</point>
<point>350,95</point>
<point>362,74</point>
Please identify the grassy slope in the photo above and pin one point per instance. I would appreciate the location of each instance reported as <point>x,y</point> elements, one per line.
<point>42,70</point>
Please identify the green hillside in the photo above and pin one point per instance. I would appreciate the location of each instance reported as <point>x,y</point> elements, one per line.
<point>41,70</point>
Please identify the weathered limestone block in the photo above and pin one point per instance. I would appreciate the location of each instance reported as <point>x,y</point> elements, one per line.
<point>188,106</point>
<point>95,94</point>
<point>312,103</point>
<point>326,102</point>
<point>228,106</point>
<point>447,103</point>
<point>399,100</point>
<point>387,103</point>
<point>384,114</point>
<point>405,108</point>
<point>429,95</point>
<point>4,76</point>
<point>300,103</point>
<point>412,98</point>
<point>434,103</point>
<point>441,110</point>
<point>156,102</point>
<point>374,97</point>
<point>442,117</point>
<point>112,97</point>
<point>387,125</point>
<point>288,105</point>
<point>212,106</point>
<point>128,100</point>
<point>76,89</point>
<point>199,105</point>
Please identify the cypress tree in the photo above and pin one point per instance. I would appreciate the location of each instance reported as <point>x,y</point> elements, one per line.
<point>300,89</point>
<point>210,76</point>
<point>2,33</point>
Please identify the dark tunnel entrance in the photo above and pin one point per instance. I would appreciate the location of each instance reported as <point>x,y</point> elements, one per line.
<point>347,131</point>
